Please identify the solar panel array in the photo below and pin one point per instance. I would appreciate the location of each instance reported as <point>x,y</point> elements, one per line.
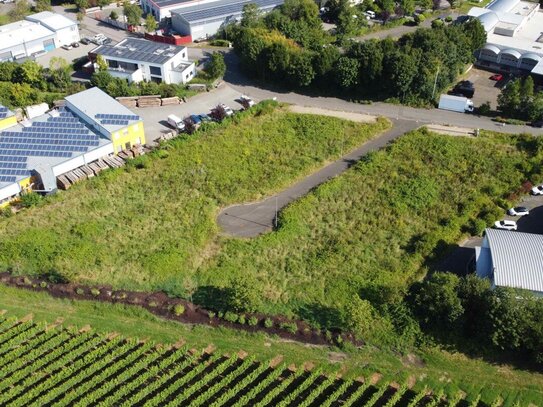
<point>4,111</point>
<point>116,119</point>
<point>223,8</point>
<point>60,136</point>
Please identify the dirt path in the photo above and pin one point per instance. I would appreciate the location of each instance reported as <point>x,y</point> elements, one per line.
<point>355,117</point>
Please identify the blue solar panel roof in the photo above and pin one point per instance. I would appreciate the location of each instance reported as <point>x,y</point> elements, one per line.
<point>5,112</point>
<point>221,8</point>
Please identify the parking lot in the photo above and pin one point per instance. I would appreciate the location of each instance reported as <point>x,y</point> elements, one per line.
<point>155,118</point>
<point>486,90</point>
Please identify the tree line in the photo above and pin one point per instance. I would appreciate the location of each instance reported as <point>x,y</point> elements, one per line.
<point>289,45</point>
<point>520,100</point>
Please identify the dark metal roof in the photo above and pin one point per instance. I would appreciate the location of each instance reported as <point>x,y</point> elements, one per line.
<point>516,258</point>
<point>140,50</point>
<point>167,3</point>
<point>221,8</point>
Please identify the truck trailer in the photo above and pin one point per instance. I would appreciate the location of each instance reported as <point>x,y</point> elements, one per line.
<point>455,103</point>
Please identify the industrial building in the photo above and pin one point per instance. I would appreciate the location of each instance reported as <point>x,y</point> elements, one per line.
<point>36,34</point>
<point>514,36</point>
<point>511,259</point>
<point>204,20</point>
<point>141,60</point>
<point>90,126</point>
<point>161,9</point>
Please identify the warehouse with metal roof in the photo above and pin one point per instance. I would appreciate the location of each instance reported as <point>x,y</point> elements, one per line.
<point>511,259</point>
<point>91,125</point>
<point>205,20</point>
<point>514,35</point>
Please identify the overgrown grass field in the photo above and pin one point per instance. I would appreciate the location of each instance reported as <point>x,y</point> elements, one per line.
<point>146,228</point>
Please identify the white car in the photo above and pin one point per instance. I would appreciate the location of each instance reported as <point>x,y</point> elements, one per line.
<point>538,190</point>
<point>246,101</point>
<point>518,211</point>
<point>227,110</point>
<point>506,224</point>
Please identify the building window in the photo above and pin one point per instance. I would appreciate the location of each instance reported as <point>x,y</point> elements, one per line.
<point>155,70</point>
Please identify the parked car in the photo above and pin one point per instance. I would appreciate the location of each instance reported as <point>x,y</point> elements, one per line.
<point>506,224</point>
<point>99,39</point>
<point>466,88</point>
<point>497,77</point>
<point>538,123</point>
<point>246,101</point>
<point>518,211</point>
<point>86,40</point>
<point>537,190</point>
<point>75,44</point>
<point>67,47</point>
<point>204,117</point>
<point>229,112</point>
<point>176,122</point>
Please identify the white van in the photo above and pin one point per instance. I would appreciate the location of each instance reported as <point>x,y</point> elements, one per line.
<point>370,14</point>
<point>176,122</point>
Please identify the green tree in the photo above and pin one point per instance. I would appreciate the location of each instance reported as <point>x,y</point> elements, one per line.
<point>508,317</point>
<point>60,72</point>
<point>402,68</point>
<point>475,33</point>
<point>20,11</point>
<point>437,303</point>
<point>509,100</point>
<point>102,64</point>
<point>250,15</point>
<point>325,60</point>
<point>22,94</point>
<point>150,23</point>
<point>303,11</point>
<point>133,13</point>
<point>6,71</point>
<point>370,56</point>
<point>387,9</point>
<point>42,5</point>
<point>29,72</point>
<point>101,79</point>
<point>407,7</point>
<point>526,95</point>
<point>347,72</point>
<point>113,15</point>
<point>82,4</point>
<point>190,285</point>
<point>102,3</point>
<point>216,66</point>
<point>244,295</point>
<point>80,16</point>
<point>347,21</point>
<point>300,70</point>
<point>535,110</point>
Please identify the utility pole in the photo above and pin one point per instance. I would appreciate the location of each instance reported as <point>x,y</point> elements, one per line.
<point>435,82</point>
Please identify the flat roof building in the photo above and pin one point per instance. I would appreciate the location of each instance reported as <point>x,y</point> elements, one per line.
<point>204,20</point>
<point>137,60</point>
<point>36,34</point>
<point>91,125</point>
<point>514,35</point>
<point>511,259</point>
<point>161,9</point>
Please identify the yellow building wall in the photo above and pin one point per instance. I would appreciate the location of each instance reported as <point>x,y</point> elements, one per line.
<point>133,134</point>
<point>24,184</point>
<point>8,122</point>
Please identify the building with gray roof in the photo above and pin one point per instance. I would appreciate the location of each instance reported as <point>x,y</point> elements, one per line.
<point>514,35</point>
<point>137,60</point>
<point>511,259</point>
<point>204,20</point>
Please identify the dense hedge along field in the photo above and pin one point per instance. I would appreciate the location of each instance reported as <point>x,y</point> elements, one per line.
<point>147,228</point>
<point>49,365</point>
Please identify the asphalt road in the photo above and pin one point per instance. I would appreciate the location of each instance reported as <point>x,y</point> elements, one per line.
<point>254,219</point>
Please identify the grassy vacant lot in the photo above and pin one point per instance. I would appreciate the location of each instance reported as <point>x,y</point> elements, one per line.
<point>371,231</point>
<point>430,367</point>
<point>147,228</point>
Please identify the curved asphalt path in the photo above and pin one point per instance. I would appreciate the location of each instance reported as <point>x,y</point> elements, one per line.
<point>250,220</point>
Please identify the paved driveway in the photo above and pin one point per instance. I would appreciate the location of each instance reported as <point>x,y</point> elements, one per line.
<point>155,118</point>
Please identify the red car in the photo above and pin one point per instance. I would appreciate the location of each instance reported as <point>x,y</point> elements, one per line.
<point>498,77</point>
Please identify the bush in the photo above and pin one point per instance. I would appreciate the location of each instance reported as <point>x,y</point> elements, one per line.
<point>268,323</point>
<point>419,19</point>
<point>448,19</point>
<point>211,314</point>
<point>6,212</point>
<point>484,109</point>
<point>80,291</point>
<point>220,43</point>
<point>95,292</point>
<point>242,319</point>
<point>244,295</point>
<point>437,23</point>
<point>30,199</point>
<point>43,284</point>
<point>252,321</point>
<point>153,304</point>
<point>178,309</point>
<point>230,316</point>
<point>477,227</point>
<point>289,327</point>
